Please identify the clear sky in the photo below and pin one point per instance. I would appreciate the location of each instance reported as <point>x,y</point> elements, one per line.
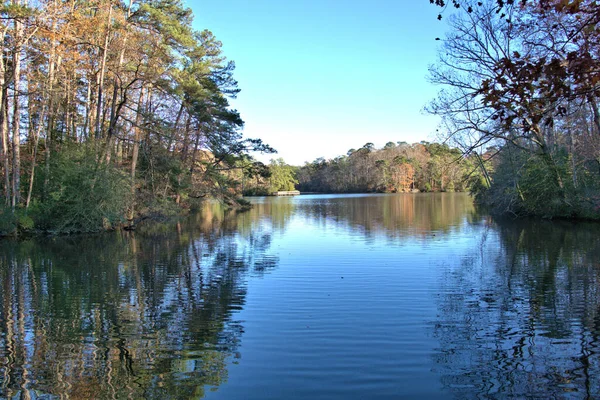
<point>320,77</point>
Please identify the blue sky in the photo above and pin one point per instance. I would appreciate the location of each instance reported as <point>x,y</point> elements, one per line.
<point>320,77</point>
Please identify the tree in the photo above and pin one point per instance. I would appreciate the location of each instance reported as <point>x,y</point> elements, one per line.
<point>516,78</point>
<point>133,86</point>
<point>401,168</point>
<point>283,177</point>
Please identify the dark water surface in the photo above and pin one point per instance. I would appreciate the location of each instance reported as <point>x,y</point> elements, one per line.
<point>312,297</point>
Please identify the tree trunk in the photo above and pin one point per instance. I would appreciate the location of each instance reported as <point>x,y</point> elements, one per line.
<point>134,156</point>
<point>88,103</point>
<point>177,119</point>
<point>36,140</point>
<point>5,143</point>
<point>114,109</point>
<point>197,142</point>
<point>4,129</point>
<point>186,139</point>
<point>67,129</point>
<point>596,112</point>
<point>50,124</point>
<point>16,195</point>
<point>102,73</point>
<point>112,123</point>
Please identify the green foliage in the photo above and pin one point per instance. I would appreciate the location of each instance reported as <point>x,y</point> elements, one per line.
<point>539,192</point>
<point>257,191</point>
<point>539,185</point>
<point>83,195</point>
<point>283,176</point>
<point>15,221</point>
<point>478,187</point>
<point>8,221</point>
<point>24,221</point>
<point>263,180</point>
<point>162,173</point>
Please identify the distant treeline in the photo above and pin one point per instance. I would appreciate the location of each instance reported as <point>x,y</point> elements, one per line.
<point>397,167</point>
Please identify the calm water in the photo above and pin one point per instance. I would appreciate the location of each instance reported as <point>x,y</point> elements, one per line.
<point>313,297</point>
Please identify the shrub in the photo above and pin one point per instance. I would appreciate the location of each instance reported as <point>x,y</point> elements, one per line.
<point>8,221</point>
<point>83,195</point>
<point>528,184</point>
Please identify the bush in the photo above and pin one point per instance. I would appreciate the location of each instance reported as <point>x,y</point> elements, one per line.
<point>527,184</point>
<point>8,221</point>
<point>83,195</point>
<point>13,222</point>
<point>24,221</point>
<point>257,191</point>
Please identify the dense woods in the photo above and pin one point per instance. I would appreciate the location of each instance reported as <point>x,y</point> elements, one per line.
<point>397,167</point>
<point>523,78</point>
<point>110,110</point>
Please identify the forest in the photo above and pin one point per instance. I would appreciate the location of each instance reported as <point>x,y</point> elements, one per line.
<point>116,111</point>
<point>112,111</point>
<point>520,83</point>
<point>395,168</point>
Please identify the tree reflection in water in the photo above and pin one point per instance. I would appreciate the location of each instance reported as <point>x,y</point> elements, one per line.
<point>152,314</point>
<point>127,315</point>
<point>396,216</point>
<point>521,318</point>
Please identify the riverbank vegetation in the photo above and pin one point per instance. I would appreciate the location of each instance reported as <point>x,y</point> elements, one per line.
<point>111,111</point>
<point>521,81</point>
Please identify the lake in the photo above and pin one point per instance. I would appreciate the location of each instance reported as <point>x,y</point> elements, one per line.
<point>310,297</point>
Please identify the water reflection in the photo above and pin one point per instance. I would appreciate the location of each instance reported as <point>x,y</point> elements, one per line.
<point>127,315</point>
<point>378,296</point>
<point>395,216</point>
<point>520,317</point>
